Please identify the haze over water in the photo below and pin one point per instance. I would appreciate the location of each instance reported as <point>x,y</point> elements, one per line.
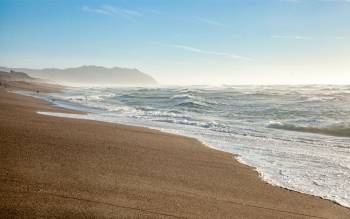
<point>297,137</point>
<point>184,42</point>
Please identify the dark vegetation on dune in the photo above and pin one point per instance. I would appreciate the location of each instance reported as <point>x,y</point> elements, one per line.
<point>15,76</point>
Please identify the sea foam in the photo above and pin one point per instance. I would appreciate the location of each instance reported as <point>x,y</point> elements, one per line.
<point>296,137</point>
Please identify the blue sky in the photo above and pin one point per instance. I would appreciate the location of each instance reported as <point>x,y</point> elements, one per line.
<point>184,42</point>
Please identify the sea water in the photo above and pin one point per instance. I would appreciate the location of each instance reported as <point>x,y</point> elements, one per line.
<point>297,137</point>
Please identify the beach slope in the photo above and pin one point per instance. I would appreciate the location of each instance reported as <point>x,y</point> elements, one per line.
<point>67,168</point>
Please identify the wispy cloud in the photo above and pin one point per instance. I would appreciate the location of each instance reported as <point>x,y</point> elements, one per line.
<point>294,1</point>
<point>96,10</point>
<point>209,21</point>
<point>301,1</point>
<point>298,37</point>
<point>335,0</point>
<point>206,52</point>
<point>336,37</point>
<point>151,11</point>
<point>291,37</point>
<point>113,11</point>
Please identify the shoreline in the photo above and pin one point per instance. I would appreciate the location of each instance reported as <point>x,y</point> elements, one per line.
<point>235,157</point>
<point>247,201</point>
<point>83,115</point>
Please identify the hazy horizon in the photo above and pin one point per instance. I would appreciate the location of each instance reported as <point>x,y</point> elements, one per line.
<point>167,84</point>
<point>184,43</point>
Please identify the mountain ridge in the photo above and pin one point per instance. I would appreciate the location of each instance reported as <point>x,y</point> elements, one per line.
<point>90,74</point>
<point>15,76</point>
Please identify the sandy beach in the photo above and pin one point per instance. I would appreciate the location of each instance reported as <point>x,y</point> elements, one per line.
<point>66,168</point>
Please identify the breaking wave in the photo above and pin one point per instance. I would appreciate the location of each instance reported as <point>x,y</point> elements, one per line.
<point>340,130</point>
<point>286,152</point>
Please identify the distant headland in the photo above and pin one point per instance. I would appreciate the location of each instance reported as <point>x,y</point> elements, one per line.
<point>89,74</point>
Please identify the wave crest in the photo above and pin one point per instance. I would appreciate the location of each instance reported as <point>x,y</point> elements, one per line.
<point>340,130</point>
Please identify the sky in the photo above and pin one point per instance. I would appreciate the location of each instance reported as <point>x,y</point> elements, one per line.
<point>184,41</point>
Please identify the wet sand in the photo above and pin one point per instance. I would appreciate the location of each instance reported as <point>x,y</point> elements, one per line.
<point>67,168</point>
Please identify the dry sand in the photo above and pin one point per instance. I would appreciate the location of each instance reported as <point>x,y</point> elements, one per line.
<point>57,167</point>
<point>29,86</point>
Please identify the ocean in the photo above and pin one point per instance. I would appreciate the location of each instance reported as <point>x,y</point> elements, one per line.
<point>297,137</point>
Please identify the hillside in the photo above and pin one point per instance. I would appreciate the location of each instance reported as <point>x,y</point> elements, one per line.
<point>92,75</point>
<point>15,76</point>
